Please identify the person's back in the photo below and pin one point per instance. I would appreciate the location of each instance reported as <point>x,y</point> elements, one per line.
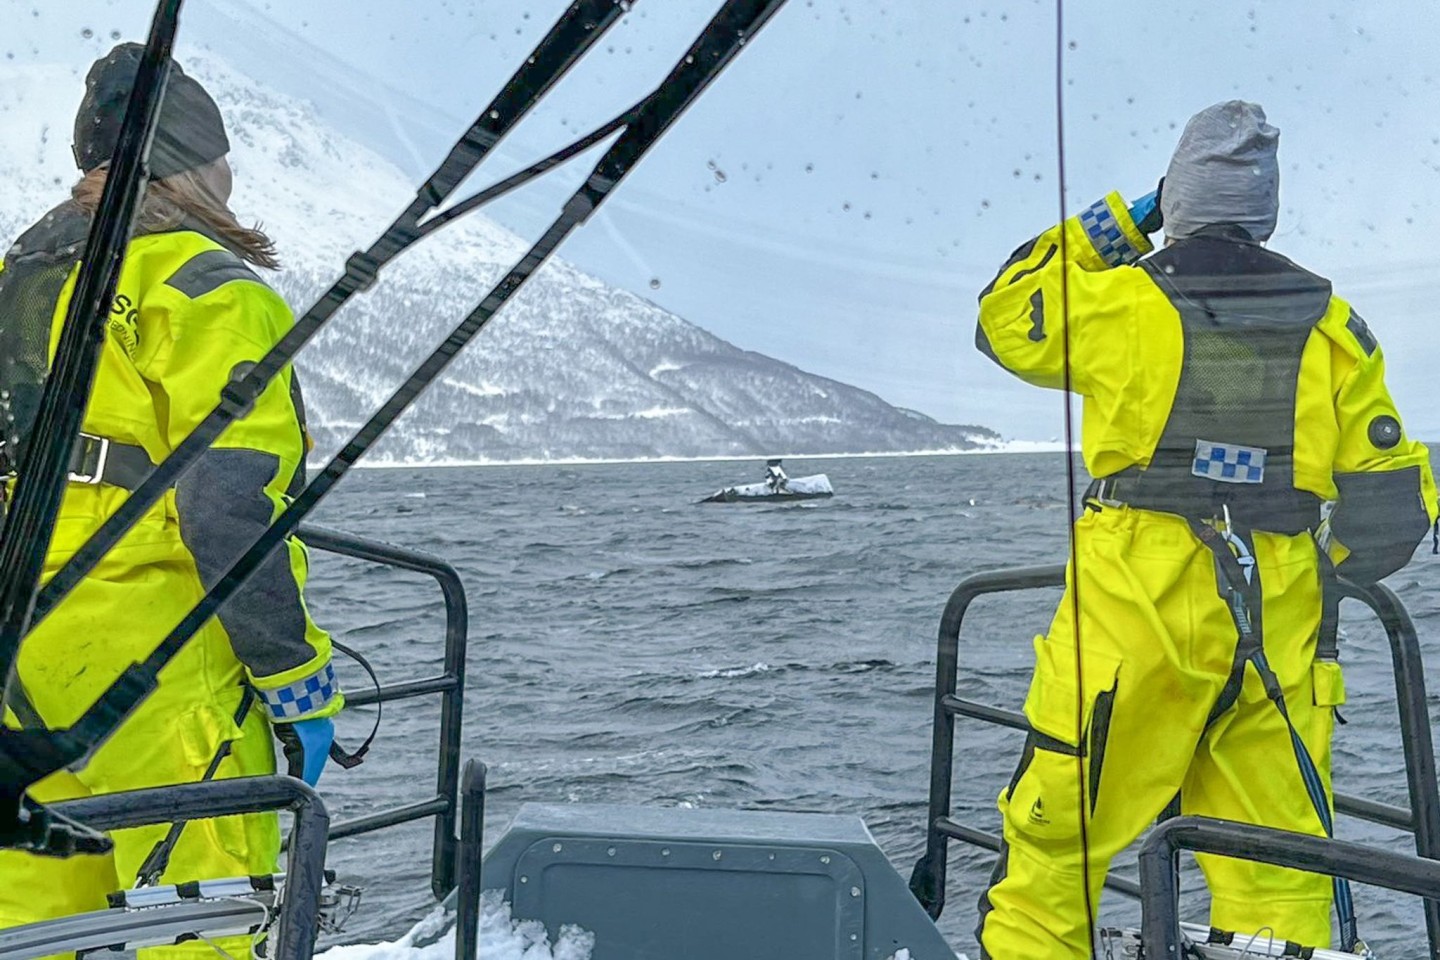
<point>1228,393</point>
<point>189,316</point>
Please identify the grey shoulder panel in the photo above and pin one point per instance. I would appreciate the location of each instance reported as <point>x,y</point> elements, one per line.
<point>208,271</point>
<point>1361,331</point>
<point>1380,518</point>
<point>223,509</point>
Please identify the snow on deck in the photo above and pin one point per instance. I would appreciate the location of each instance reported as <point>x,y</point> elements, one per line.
<point>501,938</point>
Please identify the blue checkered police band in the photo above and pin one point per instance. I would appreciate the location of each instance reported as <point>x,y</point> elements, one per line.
<point>1106,236</point>
<point>303,697</point>
<point>1228,462</point>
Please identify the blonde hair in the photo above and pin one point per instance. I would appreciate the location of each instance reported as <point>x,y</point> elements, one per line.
<point>170,202</point>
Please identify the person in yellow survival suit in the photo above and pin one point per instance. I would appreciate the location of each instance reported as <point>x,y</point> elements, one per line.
<point>189,315</point>
<point>1228,395</point>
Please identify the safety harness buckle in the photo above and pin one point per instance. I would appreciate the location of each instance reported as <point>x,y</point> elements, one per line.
<point>95,474</point>
<point>1102,491</point>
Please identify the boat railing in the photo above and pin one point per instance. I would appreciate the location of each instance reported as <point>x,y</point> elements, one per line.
<point>1159,883</point>
<point>297,923</point>
<point>443,805</point>
<point>454,857</point>
<point>927,881</point>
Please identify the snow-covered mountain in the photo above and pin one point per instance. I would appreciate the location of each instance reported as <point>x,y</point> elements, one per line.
<point>571,368</point>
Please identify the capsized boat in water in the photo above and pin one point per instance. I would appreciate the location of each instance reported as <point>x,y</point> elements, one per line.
<point>816,487</point>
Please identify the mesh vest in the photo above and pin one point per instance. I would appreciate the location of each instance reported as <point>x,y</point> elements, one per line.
<point>36,268</point>
<point>1246,315</point>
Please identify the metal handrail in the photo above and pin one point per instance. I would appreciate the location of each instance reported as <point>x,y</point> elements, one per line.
<point>299,914</point>
<point>927,881</point>
<point>1160,892</point>
<point>450,684</point>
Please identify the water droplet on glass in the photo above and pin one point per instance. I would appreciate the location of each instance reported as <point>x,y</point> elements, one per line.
<point>809,168</point>
<point>87,33</point>
<point>494,114</point>
<point>654,283</point>
<point>720,176</point>
<point>114,34</point>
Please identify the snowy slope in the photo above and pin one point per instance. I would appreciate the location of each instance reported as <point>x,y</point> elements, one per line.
<point>571,368</point>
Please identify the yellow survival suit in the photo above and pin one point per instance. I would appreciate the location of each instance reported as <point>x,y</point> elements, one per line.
<point>1216,376</point>
<point>188,316</point>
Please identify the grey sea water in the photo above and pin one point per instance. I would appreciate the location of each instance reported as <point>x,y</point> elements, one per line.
<point>631,646</point>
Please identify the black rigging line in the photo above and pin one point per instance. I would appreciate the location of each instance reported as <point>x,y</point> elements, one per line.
<point>719,43</point>
<point>44,471</point>
<point>1071,511</point>
<point>519,179</point>
<point>577,30</point>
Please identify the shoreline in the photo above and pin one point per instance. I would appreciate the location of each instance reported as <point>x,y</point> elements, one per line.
<point>1013,447</point>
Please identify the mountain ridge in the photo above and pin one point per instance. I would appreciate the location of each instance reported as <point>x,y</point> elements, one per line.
<point>571,369</point>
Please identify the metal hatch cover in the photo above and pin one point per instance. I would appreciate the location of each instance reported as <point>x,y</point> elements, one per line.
<point>709,884</point>
<point>658,898</point>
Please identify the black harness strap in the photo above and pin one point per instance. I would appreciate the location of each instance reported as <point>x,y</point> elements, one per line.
<point>1243,595</point>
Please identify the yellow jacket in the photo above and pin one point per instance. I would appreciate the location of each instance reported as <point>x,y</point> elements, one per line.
<point>187,317</point>
<point>1081,285</point>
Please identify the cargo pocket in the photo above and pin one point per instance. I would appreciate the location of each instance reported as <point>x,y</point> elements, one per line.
<point>1328,681</point>
<point>202,732</point>
<point>1043,799</point>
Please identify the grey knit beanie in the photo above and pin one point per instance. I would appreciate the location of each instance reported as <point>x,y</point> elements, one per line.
<point>1224,170</point>
<point>189,134</point>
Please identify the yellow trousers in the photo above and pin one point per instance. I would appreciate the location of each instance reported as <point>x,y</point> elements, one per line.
<point>113,618</point>
<point>1156,645</point>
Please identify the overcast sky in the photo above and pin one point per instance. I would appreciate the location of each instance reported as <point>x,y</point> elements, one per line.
<point>840,196</point>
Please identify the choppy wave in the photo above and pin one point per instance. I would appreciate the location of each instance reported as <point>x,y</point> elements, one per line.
<point>649,650</point>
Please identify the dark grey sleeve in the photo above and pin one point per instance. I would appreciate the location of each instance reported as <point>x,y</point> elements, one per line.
<point>223,510</point>
<point>1380,518</point>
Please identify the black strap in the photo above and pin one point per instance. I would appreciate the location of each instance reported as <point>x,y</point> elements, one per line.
<point>1327,645</point>
<point>117,464</point>
<point>1288,512</point>
<point>338,753</point>
<point>1243,598</point>
<point>17,698</point>
<point>100,460</point>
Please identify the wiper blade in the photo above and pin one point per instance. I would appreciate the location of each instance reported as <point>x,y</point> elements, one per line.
<point>44,470</point>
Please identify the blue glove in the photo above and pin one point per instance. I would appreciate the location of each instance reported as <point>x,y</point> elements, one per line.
<point>1145,212</point>
<point>306,744</point>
